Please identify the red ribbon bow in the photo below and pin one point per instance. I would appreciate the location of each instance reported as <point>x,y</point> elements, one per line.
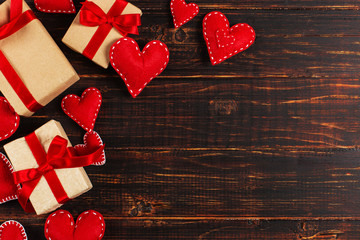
<point>59,156</point>
<point>92,15</point>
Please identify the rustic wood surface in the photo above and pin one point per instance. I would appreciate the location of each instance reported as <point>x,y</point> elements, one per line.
<point>262,146</point>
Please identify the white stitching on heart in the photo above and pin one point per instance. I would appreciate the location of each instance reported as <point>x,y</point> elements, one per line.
<point>101,219</point>
<point>186,20</point>
<point>73,10</point>
<point>79,98</point>
<point>7,162</point>
<point>15,124</point>
<point>17,224</point>
<point>143,52</point>
<point>53,215</point>
<point>212,59</point>
<point>101,144</point>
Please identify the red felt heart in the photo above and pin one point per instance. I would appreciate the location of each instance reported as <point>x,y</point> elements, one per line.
<point>12,230</point>
<point>55,6</point>
<point>9,120</point>
<point>83,110</point>
<point>90,225</point>
<point>224,42</point>
<point>137,68</point>
<point>92,141</point>
<point>8,189</point>
<point>182,12</point>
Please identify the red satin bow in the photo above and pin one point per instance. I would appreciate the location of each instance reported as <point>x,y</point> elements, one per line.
<point>59,156</point>
<point>92,15</point>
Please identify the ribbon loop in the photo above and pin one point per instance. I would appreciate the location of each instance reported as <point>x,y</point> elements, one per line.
<point>92,15</point>
<point>59,156</point>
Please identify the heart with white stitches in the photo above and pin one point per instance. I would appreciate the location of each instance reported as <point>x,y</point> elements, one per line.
<point>8,188</point>
<point>12,230</point>
<point>9,119</point>
<point>182,12</point>
<point>137,68</point>
<point>92,142</point>
<point>222,41</point>
<point>60,225</point>
<point>55,6</point>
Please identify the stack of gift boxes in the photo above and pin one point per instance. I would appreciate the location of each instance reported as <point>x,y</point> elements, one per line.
<point>34,71</point>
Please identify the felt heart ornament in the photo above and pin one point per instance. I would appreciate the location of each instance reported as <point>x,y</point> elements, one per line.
<point>8,188</point>
<point>9,120</point>
<point>137,68</point>
<point>222,41</point>
<point>55,6</point>
<point>92,141</point>
<point>12,230</point>
<point>85,109</point>
<point>182,12</point>
<point>90,225</point>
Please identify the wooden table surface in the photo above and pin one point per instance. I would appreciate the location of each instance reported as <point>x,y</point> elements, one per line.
<point>262,146</point>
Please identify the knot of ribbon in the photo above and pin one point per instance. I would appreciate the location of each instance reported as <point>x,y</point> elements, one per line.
<point>92,15</point>
<point>59,156</point>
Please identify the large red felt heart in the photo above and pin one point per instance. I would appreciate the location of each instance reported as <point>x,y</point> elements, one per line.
<point>8,188</point>
<point>137,68</point>
<point>182,12</point>
<point>83,110</point>
<point>12,230</point>
<point>55,6</point>
<point>222,41</point>
<point>92,141</point>
<point>9,120</point>
<point>90,225</point>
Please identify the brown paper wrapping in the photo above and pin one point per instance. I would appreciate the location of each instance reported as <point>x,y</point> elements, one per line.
<point>74,180</point>
<point>38,61</point>
<point>78,36</point>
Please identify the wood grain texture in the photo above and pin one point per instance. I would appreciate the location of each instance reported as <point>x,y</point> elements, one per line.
<point>262,146</point>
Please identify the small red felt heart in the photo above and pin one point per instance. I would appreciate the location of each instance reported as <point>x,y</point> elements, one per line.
<point>92,141</point>
<point>90,225</point>
<point>182,12</point>
<point>84,110</point>
<point>9,120</point>
<point>55,6</point>
<point>222,41</point>
<point>137,68</point>
<point>12,230</point>
<point>8,188</point>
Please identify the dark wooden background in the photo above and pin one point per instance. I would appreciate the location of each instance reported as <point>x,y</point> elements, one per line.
<point>262,146</point>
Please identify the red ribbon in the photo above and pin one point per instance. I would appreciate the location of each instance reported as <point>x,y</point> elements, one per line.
<point>17,21</point>
<point>92,15</point>
<point>59,156</point>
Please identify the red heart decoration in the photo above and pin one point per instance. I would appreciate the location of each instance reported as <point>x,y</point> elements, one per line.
<point>12,230</point>
<point>92,141</point>
<point>8,188</point>
<point>90,225</point>
<point>55,6</point>
<point>137,68</point>
<point>224,42</point>
<point>9,120</point>
<point>182,12</point>
<point>84,110</point>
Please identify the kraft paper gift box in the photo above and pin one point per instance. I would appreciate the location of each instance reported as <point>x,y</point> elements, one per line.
<point>37,60</point>
<point>74,180</point>
<point>78,36</point>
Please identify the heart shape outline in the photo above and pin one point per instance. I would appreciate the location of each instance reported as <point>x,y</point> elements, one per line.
<point>224,38</point>
<point>88,139</point>
<point>11,192</point>
<point>182,12</point>
<point>82,116</point>
<point>136,68</point>
<point>66,6</point>
<point>244,37</point>
<point>7,112</point>
<point>74,231</point>
<point>12,230</point>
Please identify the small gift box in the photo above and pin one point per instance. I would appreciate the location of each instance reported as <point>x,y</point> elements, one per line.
<point>33,70</point>
<point>47,168</point>
<point>98,25</point>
